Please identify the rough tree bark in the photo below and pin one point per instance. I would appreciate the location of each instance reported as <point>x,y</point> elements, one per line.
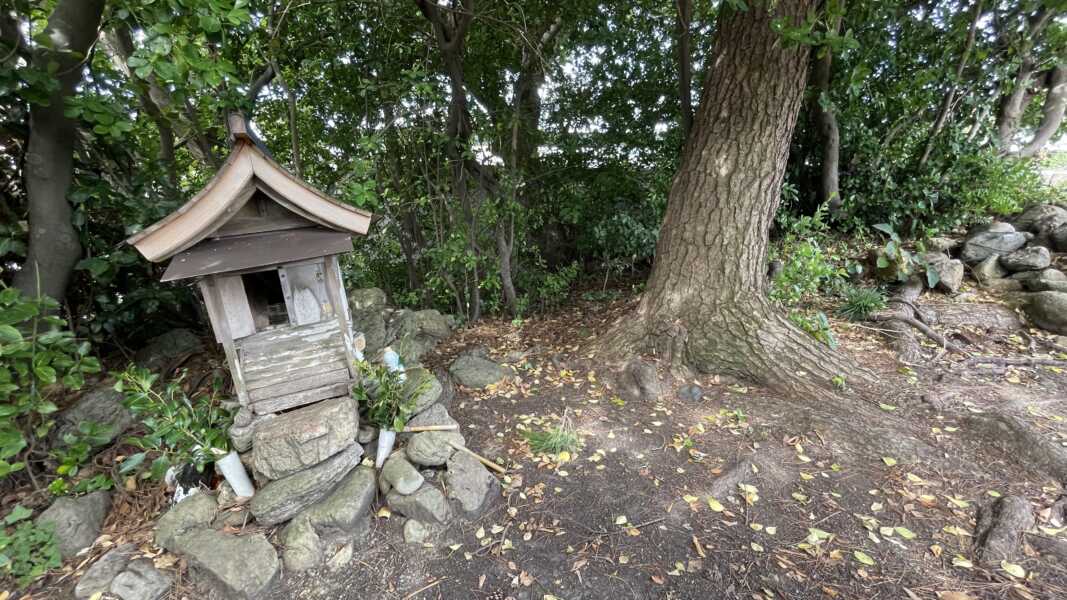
<point>1051,112</point>
<point>684,56</point>
<point>949,100</point>
<point>54,248</point>
<point>1013,103</point>
<point>826,124</point>
<point>706,303</point>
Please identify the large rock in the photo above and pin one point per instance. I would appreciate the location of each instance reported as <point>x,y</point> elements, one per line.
<point>103,406</point>
<point>163,350</point>
<point>398,474</point>
<point>303,438</point>
<point>1058,238</point>
<point>77,520</point>
<point>949,271</point>
<point>141,580</point>
<point>436,414</point>
<point>1046,280</point>
<point>238,567</point>
<point>639,382</point>
<point>280,500</point>
<point>302,548</point>
<point>418,332</point>
<point>1046,274</point>
<point>423,386</point>
<point>367,306</point>
<point>341,517</point>
<point>470,484</point>
<point>474,371</point>
<point>980,246</point>
<point>428,505</point>
<point>98,577</point>
<point>197,510</point>
<point>1048,310</point>
<point>989,269</point>
<point>1038,216</point>
<point>432,448</point>
<point>1032,258</point>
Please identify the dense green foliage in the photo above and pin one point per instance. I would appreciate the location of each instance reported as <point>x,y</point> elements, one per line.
<point>572,121</point>
<point>179,430</point>
<point>27,550</point>
<point>384,397</point>
<point>42,360</point>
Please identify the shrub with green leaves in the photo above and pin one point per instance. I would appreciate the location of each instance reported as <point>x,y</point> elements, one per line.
<point>180,429</point>
<point>39,360</point>
<point>385,396</point>
<point>27,550</point>
<point>73,453</point>
<point>860,302</point>
<point>807,267</point>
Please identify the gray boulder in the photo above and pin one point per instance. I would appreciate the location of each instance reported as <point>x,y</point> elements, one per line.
<point>949,271</point>
<point>980,246</point>
<point>432,448</point>
<point>197,510</point>
<point>989,269</point>
<point>77,520</point>
<point>418,332</point>
<point>303,438</point>
<point>1048,310</point>
<point>1034,217</point>
<point>428,505</point>
<point>473,371</point>
<point>102,405</point>
<point>423,386</point>
<point>639,382</point>
<point>1032,258</point>
<point>1058,238</point>
<point>163,350</point>
<point>436,414</point>
<point>943,244</point>
<point>98,577</point>
<point>141,580</point>
<point>280,500</point>
<point>398,474</point>
<point>470,484</point>
<point>238,567</point>
<point>302,549</point>
<point>367,306</point>
<point>1046,274</point>
<point>1003,285</point>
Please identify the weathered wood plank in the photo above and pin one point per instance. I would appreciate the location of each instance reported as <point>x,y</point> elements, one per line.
<point>211,295</point>
<point>288,401</point>
<point>290,371</point>
<point>282,334</point>
<point>307,356</point>
<point>300,384</point>
<point>336,293</point>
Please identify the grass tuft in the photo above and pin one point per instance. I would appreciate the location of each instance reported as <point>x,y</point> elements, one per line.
<point>552,440</point>
<point>860,303</point>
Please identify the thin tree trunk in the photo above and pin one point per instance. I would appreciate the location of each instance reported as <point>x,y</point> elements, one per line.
<point>294,131</point>
<point>54,248</point>
<point>684,57</point>
<point>1013,103</point>
<point>945,111</point>
<point>826,124</point>
<point>706,303</point>
<point>1051,112</point>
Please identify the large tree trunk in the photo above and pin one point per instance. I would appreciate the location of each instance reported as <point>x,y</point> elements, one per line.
<point>684,56</point>
<point>1051,112</point>
<point>54,248</point>
<point>1013,102</point>
<point>706,302</point>
<point>829,134</point>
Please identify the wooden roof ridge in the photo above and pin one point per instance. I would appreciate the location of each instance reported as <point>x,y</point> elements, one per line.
<point>246,170</point>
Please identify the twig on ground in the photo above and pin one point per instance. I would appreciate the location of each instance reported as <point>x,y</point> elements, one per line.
<point>485,461</point>
<point>922,327</point>
<point>423,588</point>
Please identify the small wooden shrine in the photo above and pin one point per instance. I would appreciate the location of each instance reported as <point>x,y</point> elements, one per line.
<point>264,246</point>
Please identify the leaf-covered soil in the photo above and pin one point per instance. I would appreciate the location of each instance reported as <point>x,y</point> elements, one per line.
<point>727,495</point>
<point>721,497</point>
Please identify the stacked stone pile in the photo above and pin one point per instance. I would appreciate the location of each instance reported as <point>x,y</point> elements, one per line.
<point>314,470</point>
<point>1023,255</point>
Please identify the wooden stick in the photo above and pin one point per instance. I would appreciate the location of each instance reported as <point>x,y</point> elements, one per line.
<point>415,428</point>
<point>485,461</point>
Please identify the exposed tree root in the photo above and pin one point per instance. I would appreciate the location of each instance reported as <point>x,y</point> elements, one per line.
<point>899,320</point>
<point>1016,362</point>
<point>922,327</point>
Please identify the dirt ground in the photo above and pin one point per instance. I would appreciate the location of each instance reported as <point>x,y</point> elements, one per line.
<point>725,496</point>
<point>728,493</point>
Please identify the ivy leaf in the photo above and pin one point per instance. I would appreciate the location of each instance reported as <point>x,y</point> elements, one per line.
<point>863,558</point>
